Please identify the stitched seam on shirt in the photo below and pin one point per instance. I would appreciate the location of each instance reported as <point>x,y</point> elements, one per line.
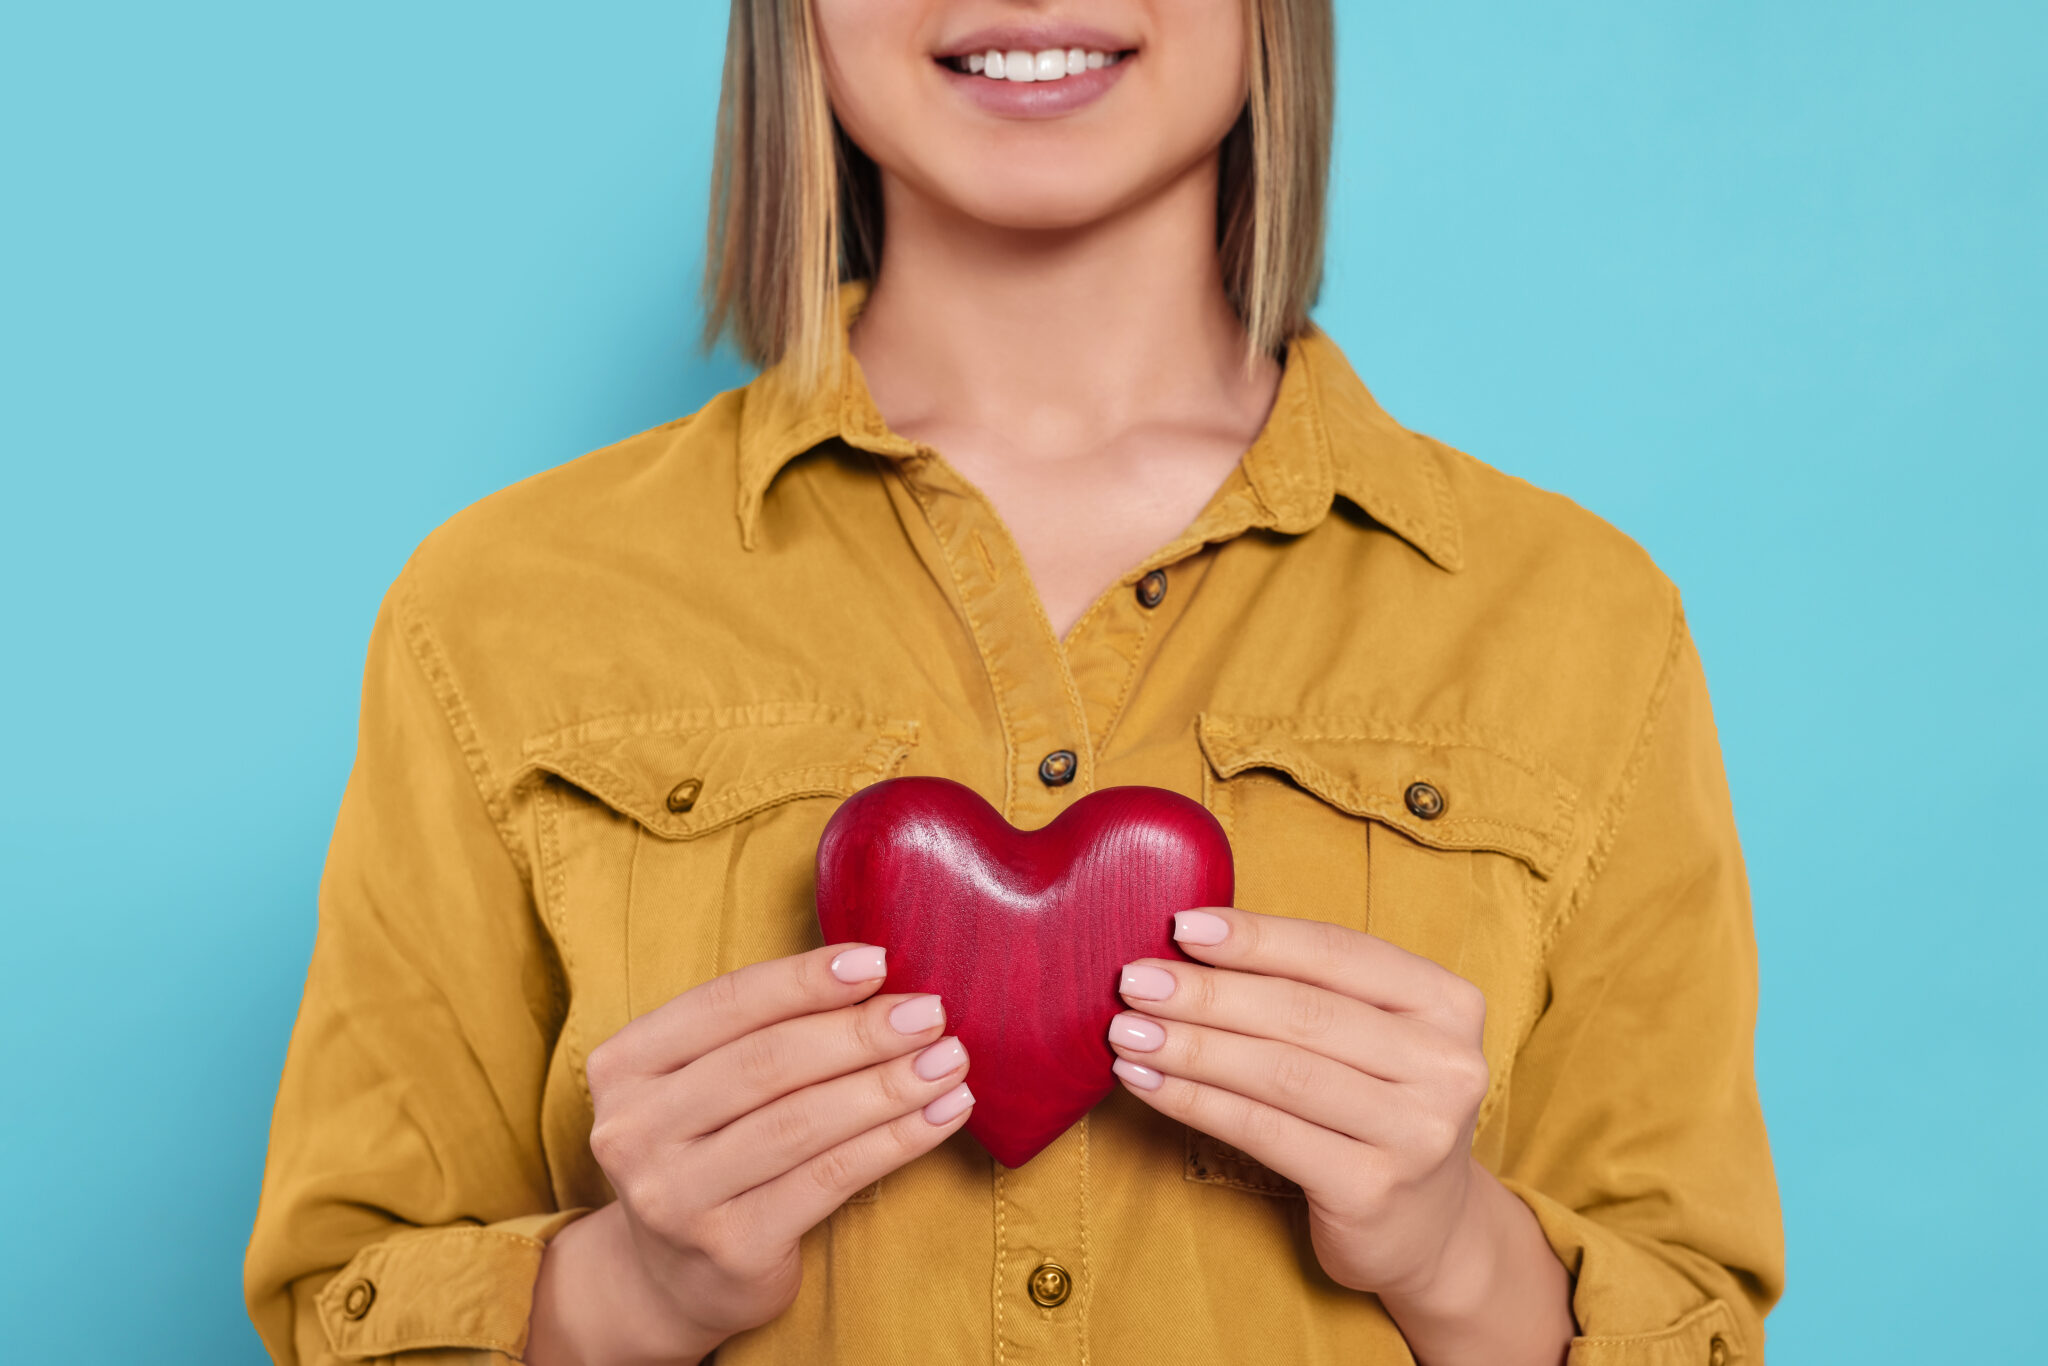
<point>1131,671</point>
<point>1216,795</point>
<point>424,648</point>
<point>1100,605</point>
<point>1451,544</point>
<point>554,912</point>
<point>631,921</point>
<point>619,725</point>
<point>1632,772</point>
<point>1002,1251</point>
<point>974,624</point>
<point>1693,1323</point>
<point>1308,769</point>
<point>823,780</point>
<point>1370,728</point>
<point>1087,1278</point>
<point>1525,1013</point>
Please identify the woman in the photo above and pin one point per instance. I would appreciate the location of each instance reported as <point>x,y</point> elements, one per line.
<point>1060,491</point>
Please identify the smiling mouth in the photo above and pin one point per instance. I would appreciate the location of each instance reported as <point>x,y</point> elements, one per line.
<point>1021,65</point>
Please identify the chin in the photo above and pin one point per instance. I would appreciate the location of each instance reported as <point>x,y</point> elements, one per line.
<point>1042,200</point>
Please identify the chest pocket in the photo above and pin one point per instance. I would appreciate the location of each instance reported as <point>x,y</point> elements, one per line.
<point>678,846</point>
<point>1444,843</point>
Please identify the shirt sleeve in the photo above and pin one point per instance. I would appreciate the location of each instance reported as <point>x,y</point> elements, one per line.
<point>1635,1131</point>
<point>406,1197</point>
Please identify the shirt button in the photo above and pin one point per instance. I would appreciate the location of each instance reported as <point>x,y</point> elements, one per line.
<point>1152,589</point>
<point>1717,1351</point>
<point>1425,800</point>
<point>1050,1285</point>
<point>683,795</point>
<point>1057,769</point>
<point>356,1301</point>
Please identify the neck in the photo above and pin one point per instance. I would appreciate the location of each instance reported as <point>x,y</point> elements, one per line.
<point>1044,333</point>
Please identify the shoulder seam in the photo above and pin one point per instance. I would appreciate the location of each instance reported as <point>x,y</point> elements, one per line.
<point>1616,809</point>
<point>431,660</point>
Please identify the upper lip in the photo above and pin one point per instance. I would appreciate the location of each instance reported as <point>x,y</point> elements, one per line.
<point>1033,38</point>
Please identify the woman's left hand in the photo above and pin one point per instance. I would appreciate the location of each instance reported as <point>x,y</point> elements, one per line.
<point>1348,1065</point>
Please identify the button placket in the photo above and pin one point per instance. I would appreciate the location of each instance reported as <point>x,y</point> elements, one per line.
<point>1114,644</point>
<point>1050,1285</point>
<point>1041,1207</point>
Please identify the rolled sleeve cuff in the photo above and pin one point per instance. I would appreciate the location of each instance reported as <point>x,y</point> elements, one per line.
<point>466,1286</point>
<point>1633,1308</point>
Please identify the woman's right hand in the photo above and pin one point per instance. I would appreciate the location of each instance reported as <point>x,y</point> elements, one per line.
<point>730,1121</point>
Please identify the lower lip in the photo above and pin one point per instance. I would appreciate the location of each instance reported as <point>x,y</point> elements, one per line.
<point>1037,99</point>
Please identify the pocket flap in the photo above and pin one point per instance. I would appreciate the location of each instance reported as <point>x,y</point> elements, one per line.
<point>682,774</point>
<point>1488,798</point>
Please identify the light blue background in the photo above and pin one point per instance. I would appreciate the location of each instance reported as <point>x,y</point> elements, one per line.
<point>282,287</point>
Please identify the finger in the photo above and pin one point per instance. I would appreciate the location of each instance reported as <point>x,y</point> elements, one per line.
<point>1335,957</point>
<point>1303,1083</point>
<point>1305,1153</point>
<point>746,1074</point>
<point>737,1003</point>
<point>1377,1042</point>
<point>779,1138</point>
<point>797,1201</point>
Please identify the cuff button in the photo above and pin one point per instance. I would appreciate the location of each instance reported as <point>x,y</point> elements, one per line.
<point>356,1301</point>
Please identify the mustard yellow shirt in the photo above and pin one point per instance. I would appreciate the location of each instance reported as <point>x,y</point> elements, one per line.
<point>776,601</point>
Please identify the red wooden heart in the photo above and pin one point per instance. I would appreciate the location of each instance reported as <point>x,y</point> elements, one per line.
<point>1023,933</point>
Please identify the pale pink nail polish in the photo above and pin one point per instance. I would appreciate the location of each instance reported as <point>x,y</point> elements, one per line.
<point>950,1106</point>
<point>1134,1031</point>
<point>863,964</point>
<point>1146,982</point>
<point>1200,927</point>
<point>942,1057</point>
<point>916,1015</point>
<point>1144,1078</point>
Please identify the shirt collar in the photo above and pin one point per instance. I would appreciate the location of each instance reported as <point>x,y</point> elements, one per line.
<point>1325,436</point>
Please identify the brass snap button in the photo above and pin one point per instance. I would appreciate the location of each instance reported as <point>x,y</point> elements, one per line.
<point>1425,801</point>
<point>683,795</point>
<point>356,1301</point>
<point>1717,1351</point>
<point>1058,768</point>
<point>1050,1286</point>
<point>1152,589</point>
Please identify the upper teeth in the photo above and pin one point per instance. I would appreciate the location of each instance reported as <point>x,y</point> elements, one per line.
<point>1050,65</point>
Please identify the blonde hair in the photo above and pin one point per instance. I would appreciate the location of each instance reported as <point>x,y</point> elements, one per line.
<point>796,208</point>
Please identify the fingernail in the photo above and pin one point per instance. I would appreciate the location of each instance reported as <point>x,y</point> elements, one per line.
<point>1200,927</point>
<point>1134,1031</point>
<point>1144,1078</point>
<point>1146,982</point>
<point>863,964</point>
<point>947,1055</point>
<point>949,1106</point>
<point>916,1015</point>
